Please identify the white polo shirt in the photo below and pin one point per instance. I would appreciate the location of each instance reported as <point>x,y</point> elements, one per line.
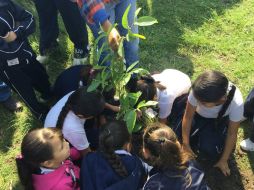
<point>177,83</point>
<point>234,111</point>
<point>73,127</point>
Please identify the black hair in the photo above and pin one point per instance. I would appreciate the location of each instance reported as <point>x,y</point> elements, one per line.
<point>36,148</point>
<point>147,85</point>
<point>82,103</point>
<point>113,136</point>
<point>210,87</point>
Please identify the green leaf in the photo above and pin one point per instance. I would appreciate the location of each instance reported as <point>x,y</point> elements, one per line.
<point>126,79</point>
<point>132,66</point>
<point>130,119</point>
<point>133,98</point>
<point>138,126</point>
<point>137,12</point>
<point>139,71</point>
<point>146,104</point>
<point>139,36</point>
<point>146,21</point>
<point>93,86</point>
<point>125,18</point>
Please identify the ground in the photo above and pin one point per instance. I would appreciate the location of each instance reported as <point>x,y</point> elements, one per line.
<point>192,36</point>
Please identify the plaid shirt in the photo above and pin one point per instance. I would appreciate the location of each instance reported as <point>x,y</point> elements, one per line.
<point>94,10</point>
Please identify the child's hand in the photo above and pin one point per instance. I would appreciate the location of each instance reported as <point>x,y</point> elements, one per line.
<point>223,166</point>
<point>10,37</point>
<point>112,107</point>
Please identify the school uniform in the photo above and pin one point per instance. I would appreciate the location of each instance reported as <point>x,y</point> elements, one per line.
<point>63,85</point>
<point>97,174</point>
<point>172,100</point>
<point>207,136</point>
<point>176,180</point>
<point>19,68</point>
<point>48,23</point>
<point>65,177</point>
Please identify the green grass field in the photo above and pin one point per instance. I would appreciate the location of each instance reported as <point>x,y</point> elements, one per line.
<point>192,36</point>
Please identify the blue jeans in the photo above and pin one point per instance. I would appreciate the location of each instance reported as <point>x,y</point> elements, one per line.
<point>5,91</point>
<point>116,11</point>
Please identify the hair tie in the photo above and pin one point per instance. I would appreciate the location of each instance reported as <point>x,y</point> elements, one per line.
<point>19,157</point>
<point>161,141</point>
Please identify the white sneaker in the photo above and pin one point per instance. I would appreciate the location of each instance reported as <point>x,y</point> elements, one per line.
<point>247,145</point>
<point>79,61</point>
<point>42,58</point>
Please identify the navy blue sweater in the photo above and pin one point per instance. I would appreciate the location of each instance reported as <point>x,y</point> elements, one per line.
<point>15,18</point>
<point>176,180</point>
<point>97,174</point>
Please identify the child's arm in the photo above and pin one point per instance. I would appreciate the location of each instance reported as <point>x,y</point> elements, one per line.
<point>186,126</point>
<point>24,21</point>
<point>231,138</point>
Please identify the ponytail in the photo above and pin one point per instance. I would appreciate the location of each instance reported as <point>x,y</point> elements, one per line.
<point>25,172</point>
<point>113,136</point>
<point>225,106</point>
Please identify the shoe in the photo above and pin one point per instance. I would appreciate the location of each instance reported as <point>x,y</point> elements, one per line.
<point>80,56</point>
<point>247,145</point>
<point>12,105</point>
<point>42,58</point>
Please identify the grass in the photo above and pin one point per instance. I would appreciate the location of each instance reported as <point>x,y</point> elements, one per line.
<point>192,36</point>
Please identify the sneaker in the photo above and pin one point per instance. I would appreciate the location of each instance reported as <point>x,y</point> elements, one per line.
<point>80,56</point>
<point>42,58</point>
<point>12,104</point>
<point>247,145</point>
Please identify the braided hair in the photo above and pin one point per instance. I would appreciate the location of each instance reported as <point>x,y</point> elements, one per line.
<point>82,103</point>
<point>210,87</point>
<point>113,136</point>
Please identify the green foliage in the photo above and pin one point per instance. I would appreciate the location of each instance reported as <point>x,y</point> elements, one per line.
<point>117,75</point>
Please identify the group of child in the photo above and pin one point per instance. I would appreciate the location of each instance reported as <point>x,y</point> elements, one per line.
<point>203,117</point>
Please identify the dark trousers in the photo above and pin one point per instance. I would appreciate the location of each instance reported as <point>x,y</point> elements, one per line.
<point>74,23</point>
<point>23,79</point>
<point>207,137</point>
<point>249,111</point>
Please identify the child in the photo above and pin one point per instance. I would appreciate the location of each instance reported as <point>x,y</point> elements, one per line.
<point>170,88</point>
<point>19,68</point>
<point>112,167</point>
<point>102,14</point>
<point>212,117</point>
<point>44,162</point>
<point>49,30</point>
<point>70,114</point>
<point>173,169</point>
<point>248,144</point>
<point>80,75</point>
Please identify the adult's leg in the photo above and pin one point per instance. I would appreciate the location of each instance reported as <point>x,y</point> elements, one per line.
<point>48,24</point>
<point>252,132</point>
<point>131,47</point>
<point>75,26</point>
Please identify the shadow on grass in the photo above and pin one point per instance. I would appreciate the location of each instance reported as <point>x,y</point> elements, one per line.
<point>161,49</point>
